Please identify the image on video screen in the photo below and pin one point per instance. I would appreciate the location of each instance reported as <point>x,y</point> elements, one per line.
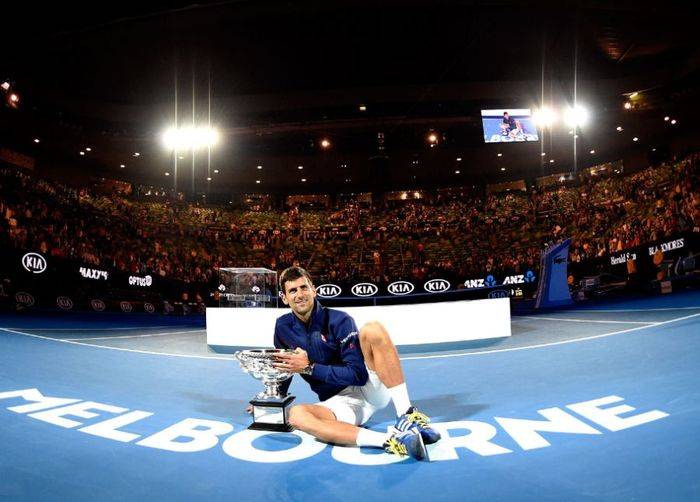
<point>508,125</point>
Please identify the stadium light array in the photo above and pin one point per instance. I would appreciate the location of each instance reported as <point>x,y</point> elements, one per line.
<point>544,117</point>
<point>576,116</point>
<point>325,143</point>
<point>627,105</point>
<point>190,138</point>
<point>5,86</point>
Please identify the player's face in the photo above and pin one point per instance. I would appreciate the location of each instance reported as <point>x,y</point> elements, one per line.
<point>299,295</point>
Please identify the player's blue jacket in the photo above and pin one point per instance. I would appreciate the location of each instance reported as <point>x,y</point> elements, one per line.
<point>332,343</point>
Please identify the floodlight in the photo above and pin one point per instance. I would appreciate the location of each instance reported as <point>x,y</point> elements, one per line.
<point>576,116</point>
<point>190,138</point>
<point>544,117</point>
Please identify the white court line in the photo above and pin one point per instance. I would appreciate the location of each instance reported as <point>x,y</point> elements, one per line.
<point>73,342</point>
<point>525,318</point>
<point>573,340</point>
<point>90,329</point>
<point>137,336</point>
<point>440,356</point>
<point>660,309</point>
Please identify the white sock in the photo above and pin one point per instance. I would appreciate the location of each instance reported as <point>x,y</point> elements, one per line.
<point>366,437</point>
<point>399,396</point>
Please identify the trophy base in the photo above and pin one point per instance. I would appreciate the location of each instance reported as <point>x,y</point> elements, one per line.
<point>270,414</point>
<point>255,426</point>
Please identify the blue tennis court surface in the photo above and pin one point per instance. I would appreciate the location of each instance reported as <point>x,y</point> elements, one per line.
<point>544,415</point>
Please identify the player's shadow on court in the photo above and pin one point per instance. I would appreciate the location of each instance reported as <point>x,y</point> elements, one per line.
<point>217,406</point>
<point>442,408</point>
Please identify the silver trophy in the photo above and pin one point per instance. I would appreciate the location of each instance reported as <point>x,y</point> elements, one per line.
<point>270,406</point>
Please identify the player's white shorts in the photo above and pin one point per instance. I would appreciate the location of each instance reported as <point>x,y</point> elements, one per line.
<point>356,404</point>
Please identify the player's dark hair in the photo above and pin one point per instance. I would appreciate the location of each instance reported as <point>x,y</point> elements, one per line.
<point>505,113</point>
<point>292,274</point>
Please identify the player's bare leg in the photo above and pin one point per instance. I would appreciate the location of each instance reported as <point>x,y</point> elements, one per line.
<point>382,357</point>
<point>321,423</point>
<point>380,354</point>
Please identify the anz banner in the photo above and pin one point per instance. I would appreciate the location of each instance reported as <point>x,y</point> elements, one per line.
<point>493,281</point>
<point>494,286</point>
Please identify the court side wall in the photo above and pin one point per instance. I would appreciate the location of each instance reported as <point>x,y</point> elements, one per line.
<point>428,323</point>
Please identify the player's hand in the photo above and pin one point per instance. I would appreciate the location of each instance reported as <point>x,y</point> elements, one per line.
<point>249,409</point>
<point>292,363</point>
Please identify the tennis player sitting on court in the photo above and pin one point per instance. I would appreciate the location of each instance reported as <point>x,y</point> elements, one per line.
<point>354,374</point>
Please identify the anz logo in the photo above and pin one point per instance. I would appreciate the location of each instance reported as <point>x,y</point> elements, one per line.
<point>474,283</point>
<point>364,289</point>
<point>328,290</point>
<point>436,286</point>
<point>400,288</point>
<point>529,276</point>
<point>490,281</point>
<point>514,279</point>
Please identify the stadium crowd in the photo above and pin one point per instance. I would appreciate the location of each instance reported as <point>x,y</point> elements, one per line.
<point>447,236</point>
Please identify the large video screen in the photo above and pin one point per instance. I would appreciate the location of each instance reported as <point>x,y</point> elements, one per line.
<point>508,125</point>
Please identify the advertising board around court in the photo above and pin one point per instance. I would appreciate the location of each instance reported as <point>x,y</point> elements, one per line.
<point>672,257</point>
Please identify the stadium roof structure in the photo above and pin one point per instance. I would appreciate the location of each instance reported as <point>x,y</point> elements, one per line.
<point>373,78</point>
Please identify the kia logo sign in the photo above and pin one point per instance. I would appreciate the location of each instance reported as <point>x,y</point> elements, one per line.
<point>34,263</point>
<point>436,286</point>
<point>148,307</point>
<point>328,290</point>
<point>364,289</point>
<point>400,288</point>
<point>498,293</point>
<point>64,302</point>
<point>98,305</point>
<point>24,298</point>
<point>125,306</point>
